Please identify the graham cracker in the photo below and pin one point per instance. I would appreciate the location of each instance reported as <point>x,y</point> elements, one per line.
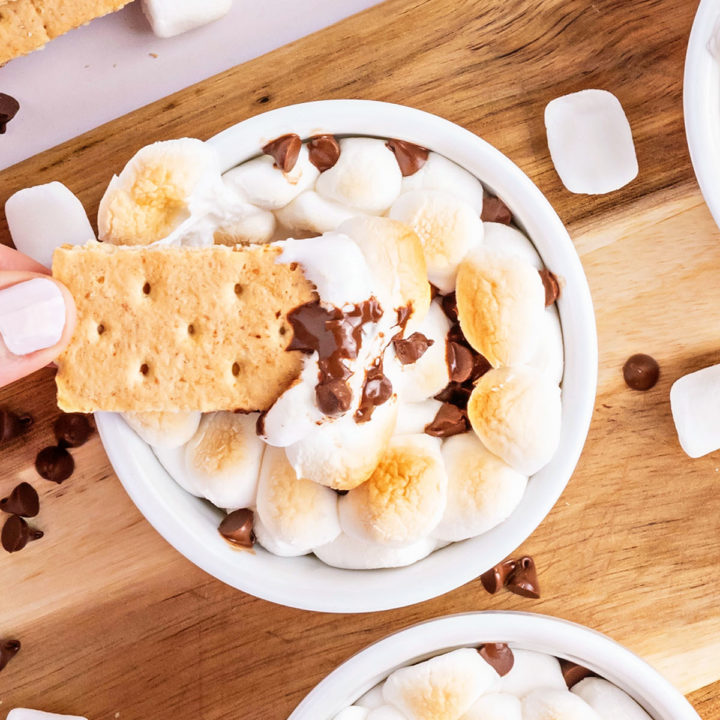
<point>168,328</point>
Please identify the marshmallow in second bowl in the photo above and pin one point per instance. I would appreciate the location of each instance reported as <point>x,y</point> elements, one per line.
<point>531,670</point>
<point>516,413</point>
<point>557,704</point>
<point>349,553</point>
<point>608,701</point>
<point>165,430</point>
<point>495,706</point>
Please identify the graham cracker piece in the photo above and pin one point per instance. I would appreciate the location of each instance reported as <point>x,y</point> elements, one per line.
<point>168,328</point>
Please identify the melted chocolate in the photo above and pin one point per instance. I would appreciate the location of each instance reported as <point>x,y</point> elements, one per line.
<point>410,157</point>
<point>410,350</point>
<point>377,390</point>
<point>403,315</point>
<point>495,210</point>
<point>460,362</point>
<point>284,150</point>
<point>449,420</point>
<point>323,151</point>
<point>456,394</point>
<point>449,306</point>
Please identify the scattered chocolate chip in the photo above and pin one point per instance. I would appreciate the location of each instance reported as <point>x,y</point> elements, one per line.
<point>72,429</point>
<point>23,500</point>
<point>8,650</point>
<point>55,464</point>
<point>551,285</point>
<point>284,150</point>
<point>496,577</point>
<point>456,394</point>
<point>495,210</point>
<point>16,534</point>
<point>12,425</point>
<point>459,361</point>
<point>333,397</point>
<point>410,350</point>
<point>499,656</point>
<point>641,372</point>
<point>8,109</point>
<point>449,420</point>
<point>573,673</point>
<point>410,157</point>
<point>523,579</point>
<point>323,151</point>
<point>449,306</point>
<point>237,528</point>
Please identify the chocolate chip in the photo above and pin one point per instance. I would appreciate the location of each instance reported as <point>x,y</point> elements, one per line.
<point>480,366</point>
<point>16,534</point>
<point>376,390</point>
<point>499,656</point>
<point>449,420</point>
<point>449,306</point>
<point>523,579</point>
<point>23,500</point>
<point>641,372</point>
<point>72,429</point>
<point>496,577</point>
<point>495,210</point>
<point>456,394</point>
<point>459,361</point>
<point>12,425</point>
<point>8,110</point>
<point>410,157</point>
<point>573,673</point>
<point>8,650</point>
<point>237,528</point>
<point>411,349</point>
<point>55,464</point>
<point>284,150</point>
<point>551,285</point>
<point>333,397</point>
<point>323,151</point>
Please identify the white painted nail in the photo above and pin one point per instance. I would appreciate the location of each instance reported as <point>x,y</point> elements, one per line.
<point>32,315</point>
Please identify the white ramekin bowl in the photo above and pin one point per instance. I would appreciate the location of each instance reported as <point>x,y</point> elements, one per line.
<point>519,630</point>
<point>701,100</point>
<point>190,524</point>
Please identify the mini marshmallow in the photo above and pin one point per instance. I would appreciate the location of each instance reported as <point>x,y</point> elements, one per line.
<point>260,182</point>
<point>404,498</point>
<point>44,217</point>
<point>372,699</point>
<point>350,553</point>
<point>165,430</point>
<point>296,513</point>
<point>482,489</point>
<point>504,239</point>
<point>495,706</point>
<point>549,356</point>
<point>26,714</point>
<point>222,459</point>
<point>590,142</point>
<point>608,700</point>
<point>386,712</point>
<point>516,414</point>
<point>500,302</point>
<point>310,212</point>
<point>353,713</point>
<point>695,405</point>
<point>545,703</point>
<point>255,227</point>
<point>530,670</point>
<point>439,173</point>
<point>445,686</point>
<point>447,227</point>
<point>413,417</point>
<point>366,176</point>
<point>172,17</point>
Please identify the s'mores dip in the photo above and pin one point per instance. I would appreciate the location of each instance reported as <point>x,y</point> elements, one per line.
<point>346,344</point>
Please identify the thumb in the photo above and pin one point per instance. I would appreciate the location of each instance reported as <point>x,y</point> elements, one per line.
<point>37,319</point>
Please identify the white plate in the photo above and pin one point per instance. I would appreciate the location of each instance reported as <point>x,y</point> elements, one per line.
<point>190,524</point>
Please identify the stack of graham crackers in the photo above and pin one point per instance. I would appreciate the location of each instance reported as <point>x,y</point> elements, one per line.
<point>26,25</point>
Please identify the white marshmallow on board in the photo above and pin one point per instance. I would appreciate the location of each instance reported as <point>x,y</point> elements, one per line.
<point>310,212</point>
<point>557,704</point>
<point>372,699</point>
<point>695,405</point>
<point>352,713</point>
<point>386,712</point>
<point>166,430</point>
<point>439,173</point>
<point>530,670</point>
<point>172,17</point>
<point>590,142</point>
<point>43,217</point>
<point>549,355</point>
<point>495,706</point>
<point>508,240</point>
<point>366,176</point>
<point>414,416</point>
<point>445,686</point>
<point>349,553</point>
<point>26,714</point>
<point>608,700</point>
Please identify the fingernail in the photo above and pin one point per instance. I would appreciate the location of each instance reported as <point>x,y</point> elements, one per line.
<point>32,315</point>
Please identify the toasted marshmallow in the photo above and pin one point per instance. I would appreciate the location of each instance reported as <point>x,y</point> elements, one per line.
<point>482,489</point>
<point>44,217</point>
<point>372,699</point>
<point>222,460</point>
<point>255,227</point>
<point>427,376</point>
<point>386,712</point>
<point>404,498</point>
<point>445,686</point>
<point>298,514</point>
<point>530,670</point>
<point>448,229</point>
<point>164,429</point>
<point>413,417</point>
<point>172,17</point>
<point>350,553</point>
<point>26,714</point>
<point>260,182</point>
<point>549,356</point>
<point>366,176</point>
<point>439,173</point>
<point>354,712</point>
<point>495,706</point>
<point>394,253</point>
<point>500,306</point>
<point>545,703</point>
<point>516,413</point>
<point>608,701</point>
<point>310,212</point>
<point>159,193</point>
<point>504,239</point>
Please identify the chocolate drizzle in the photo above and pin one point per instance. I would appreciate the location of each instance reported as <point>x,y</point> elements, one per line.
<point>377,390</point>
<point>410,157</point>
<point>403,315</point>
<point>323,151</point>
<point>284,150</point>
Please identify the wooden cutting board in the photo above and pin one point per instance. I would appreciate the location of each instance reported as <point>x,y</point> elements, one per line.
<point>116,624</point>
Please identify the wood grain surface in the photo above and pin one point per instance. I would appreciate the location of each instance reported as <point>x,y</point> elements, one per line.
<point>116,624</point>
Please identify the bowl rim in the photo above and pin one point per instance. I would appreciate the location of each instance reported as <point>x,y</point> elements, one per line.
<point>531,631</point>
<point>308,583</point>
